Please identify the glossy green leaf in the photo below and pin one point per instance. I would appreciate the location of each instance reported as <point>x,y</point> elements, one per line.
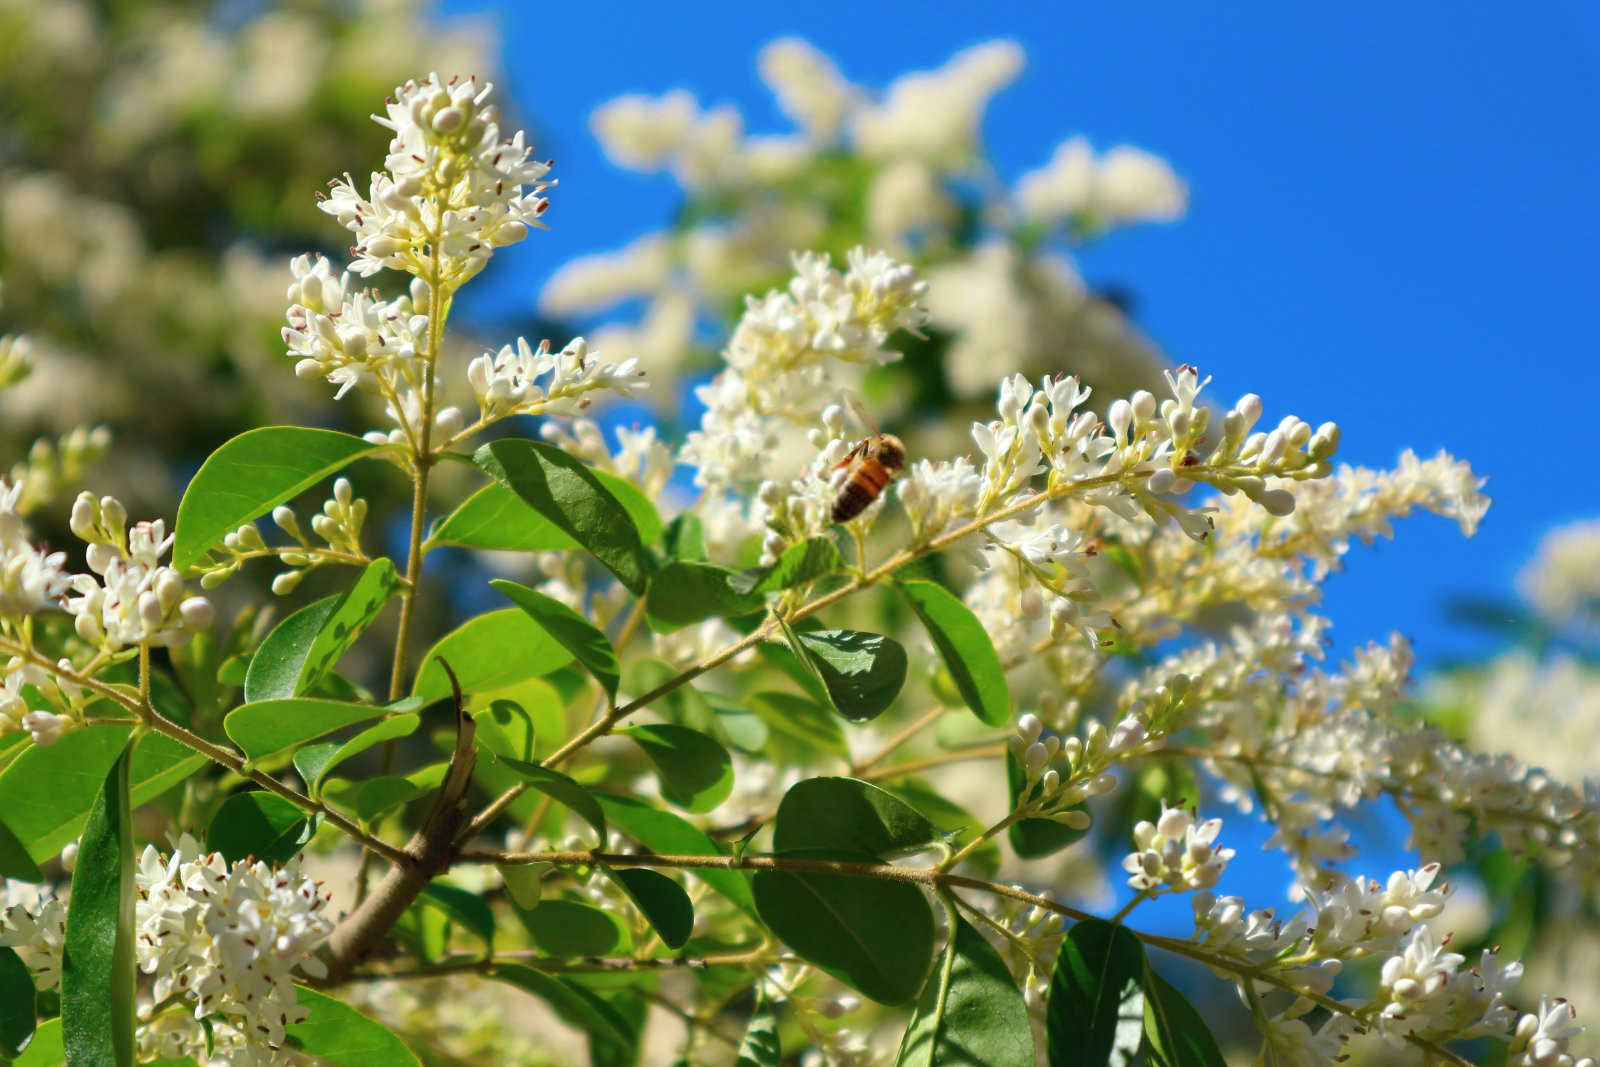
<point>1175,1034</point>
<point>16,1004</point>
<point>465,908</point>
<point>848,815</point>
<point>14,859</point>
<point>872,934</point>
<point>951,820</point>
<point>563,790</point>
<point>371,797</point>
<point>304,647</point>
<point>336,1034</point>
<point>259,824</point>
<point>696,772</point>
<point>495,518</point>
<point>571,1002</point>
<point>662,831</point>
<point>662,900</point>
<point>44,820</point>
<point>274,726</point>
<point>46,1049</point>
<point>97,968</point>
<point>760,1047</point>
<point>569,928</point>
<point>252,474</point>
<point>965,648</point>
<point>804,562</point>
<point>505,728</point>
<point>588,645</point>
<point>685,538</point>
<point>315,761</point>
<point>862,672</point>
<point>683,593</point>
<point>524,882</point>
<point>1098,961</point>
<point>802,720</point>
<point>565,491</point>
<point>971,1014</point>
<point>1035,838</point>
<point>490,652</point>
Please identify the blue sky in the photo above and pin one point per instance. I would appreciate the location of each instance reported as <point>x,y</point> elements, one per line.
<point>1392,221</point>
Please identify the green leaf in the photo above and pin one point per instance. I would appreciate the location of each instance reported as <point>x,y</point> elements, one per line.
<point>371,797</point>
<point>16,1004</point>
<point>965,648</point>
<point>683,593</point>
<point>571,630</point>
<point>46,1049</point>
<point>862,672</point>
<point>685,538</point>
<point>506,729</point>
<point>1036,838</point>
<point>44,820</point>
<point>97,969</point>
<point>304,647</point>
<point>336,1034</point>
<point>563,790</point>
<point>495,518</point>
<point>951,820</point>
<point>848,815</point>
<point>760,1047</point>
<point>662,831</point>
<point>971,1012</point>
<point>662,900</point>
<point>1098,961</point>
<point>315,761</point>
<point>872,934</point>
<point>490,652</point>
<point>14,859</point>
<point>274,726</point>
<point>572,1003</point>
<point>463,907</point>
<point>567,493</point>
<point>252,474</point>
<point>569,928</point>
<point>259,824</point>
<point>805,562</point>
<point>696,772</point>
<point>1175,1034</point>
<point>803,720</point>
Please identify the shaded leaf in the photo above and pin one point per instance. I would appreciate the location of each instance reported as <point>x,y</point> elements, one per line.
<point>965,648</point>
<point>572,1002</point>
<point>465,908</point>
<point>1175,1034</point>
<point>803,720</point>
<point>971,1014</point>
<point>371,797</point>
<point>696,772</point>
<point>14,859</point>
<point>252,474</point>
<point>307,645</point>
<point>259,824</point>
<point>569,928</point>
<point>97,967</point>
<point>683,593</point>
<point>760,1047</point>
<point>571,630</point>
<point>862,672</point>
<point>337,1034</point>
<point>662,900</point>
<point>1098,961</point>
<point>848,815</point>
<point>800,563</point>
<point>662,831</point>
<point>490,652</point>
<point>565,491</point>
<point>16,1004</point>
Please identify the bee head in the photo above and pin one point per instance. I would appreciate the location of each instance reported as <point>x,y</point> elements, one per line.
<point>890,451</point>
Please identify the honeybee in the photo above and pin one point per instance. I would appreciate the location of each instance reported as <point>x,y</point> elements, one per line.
<point>871,465</point>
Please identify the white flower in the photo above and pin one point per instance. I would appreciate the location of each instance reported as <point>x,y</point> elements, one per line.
<point>136,600</point>
<point>1541,1038</point>
<point>523,378</point>
<point>934,116</point>
<point>1562,581</point>
<point>1124,186</point>
<point>808,86</point>
<point>1175,852</point>
<point>35,925</point>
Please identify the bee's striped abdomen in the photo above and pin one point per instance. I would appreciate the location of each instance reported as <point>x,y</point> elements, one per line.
<point>860,489</point>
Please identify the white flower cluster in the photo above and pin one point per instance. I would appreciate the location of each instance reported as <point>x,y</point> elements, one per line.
<point>1423,992</point>
<point>518,377</point>
<point>33,923</point>
<point>226,941</point>
<point>1125,185</point>
<point>1562,581</point>
<point>1175,853</point>
<point>454,190</point>
<point>31,579</point>
<point>1059,776</point>
<point>136,600</point>
<point>354,340</point>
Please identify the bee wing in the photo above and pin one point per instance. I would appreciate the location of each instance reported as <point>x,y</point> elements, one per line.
<point>858,410</point>
<point>852,455</point>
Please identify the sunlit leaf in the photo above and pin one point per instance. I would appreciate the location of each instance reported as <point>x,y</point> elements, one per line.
<point>683,593</point>
<point>971,1012</point>
<point>490,652</point>
<point>1175,1034</point>
<point>274,726</point>
<point>496,519</point>
<point>696,772</point>
<point>662,831</point>
<point>572,631</point>
<point>308,644</point>
<point>97,967</point>
<point>1098,961</point>
<point>259,824</point>
<point>965,648</point>
<point>800,563</point>
<point>338,1035</point>
<point>562,790</point>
